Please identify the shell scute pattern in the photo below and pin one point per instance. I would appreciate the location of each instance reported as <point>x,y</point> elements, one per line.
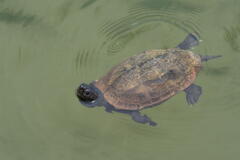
<point>149,78</point>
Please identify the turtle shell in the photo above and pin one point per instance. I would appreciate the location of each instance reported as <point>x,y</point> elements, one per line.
<point>149,78</point>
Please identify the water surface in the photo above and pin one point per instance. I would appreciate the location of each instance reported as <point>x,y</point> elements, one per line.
<point>49,47</point>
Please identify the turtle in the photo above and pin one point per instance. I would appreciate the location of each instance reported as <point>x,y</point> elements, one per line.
<point>146,80</point>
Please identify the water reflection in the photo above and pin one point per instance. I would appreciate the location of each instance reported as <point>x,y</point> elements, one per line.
<point>17,17</point>
<point>70,6</point>
<point>87,4</point>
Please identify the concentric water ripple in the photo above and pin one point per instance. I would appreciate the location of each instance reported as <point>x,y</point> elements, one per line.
<point>86,63</point>
<point>82,59</point>
<point>118,44</point>
<point>231,35</point>
<point>121,31</point>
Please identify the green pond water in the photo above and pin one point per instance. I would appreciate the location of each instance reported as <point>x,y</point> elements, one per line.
<point>49,47</point>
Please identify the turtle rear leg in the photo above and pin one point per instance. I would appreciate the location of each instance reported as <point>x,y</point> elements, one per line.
<point>189,42</point>
<point>193,92</point>
<point>136,116</point>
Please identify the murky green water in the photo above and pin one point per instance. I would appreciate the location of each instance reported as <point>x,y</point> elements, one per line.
<point>49,47</point>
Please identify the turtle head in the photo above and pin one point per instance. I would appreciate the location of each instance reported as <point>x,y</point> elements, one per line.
<point>87,95</point>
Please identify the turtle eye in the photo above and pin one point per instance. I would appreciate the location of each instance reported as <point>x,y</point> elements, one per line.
<point>87,93</point>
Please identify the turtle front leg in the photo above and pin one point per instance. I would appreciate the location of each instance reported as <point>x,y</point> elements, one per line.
<point>136,116</point>
<point>108,108</point>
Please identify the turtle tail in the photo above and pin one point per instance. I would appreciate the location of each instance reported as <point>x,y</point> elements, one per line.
<point>206,58</point>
